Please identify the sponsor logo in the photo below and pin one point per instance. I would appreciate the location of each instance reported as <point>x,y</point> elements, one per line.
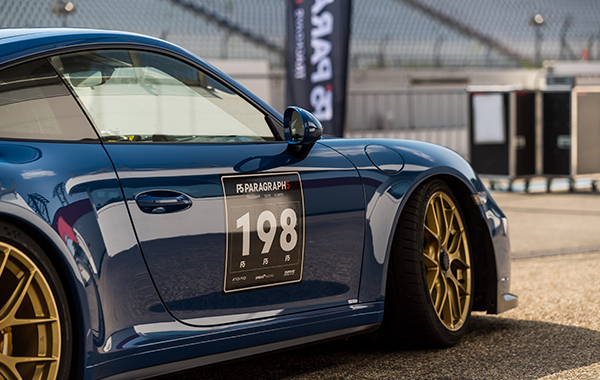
<point>321,96</point>
<point>264,276</point>
<point>238,279</point>
<point>300,50</point>
<point>255,187</point>
<point>288,273</point>
<point>264,196</point>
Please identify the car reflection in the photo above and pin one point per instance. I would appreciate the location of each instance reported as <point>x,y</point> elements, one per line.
<point>310,290</point>
<point>68,222</point>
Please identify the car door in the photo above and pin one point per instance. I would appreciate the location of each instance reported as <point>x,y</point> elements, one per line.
<point>53,166</point>
<point>231,225</point>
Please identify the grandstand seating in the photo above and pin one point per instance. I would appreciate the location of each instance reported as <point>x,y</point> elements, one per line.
<point>385,33</point>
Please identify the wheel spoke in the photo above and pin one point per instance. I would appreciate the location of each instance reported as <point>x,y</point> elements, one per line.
<point>457,241</point>
<point>451,222</point>
<point>461,291</point>
<point>433,273</point>
<point>14,360</point>
<point>456,260</point>
<point>33,321</point>
<point>8,364</point>
<point>429,233</point>
<point>7,313</point>
<point>456,255</point>
<point>430,263</point>
<point>453,313</point>
<point>455,249</point>
<point>9,373</point>
<point>441,296</point>
<point>4,261</point>
<point>445,311</point>
<point>441,211</point>
<point>431,244</point>
<point>432,279</point>
<point>432,221</point>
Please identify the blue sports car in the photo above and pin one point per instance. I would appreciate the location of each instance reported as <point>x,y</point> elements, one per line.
<point>156,216</point>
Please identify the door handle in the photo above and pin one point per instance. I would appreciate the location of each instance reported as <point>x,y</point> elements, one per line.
<point>162,201</point>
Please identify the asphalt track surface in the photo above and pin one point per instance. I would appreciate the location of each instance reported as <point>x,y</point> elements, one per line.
<point>553,334</point>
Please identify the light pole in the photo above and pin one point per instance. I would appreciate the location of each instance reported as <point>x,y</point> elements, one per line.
<point>537,22</point>
<point>63,8</point>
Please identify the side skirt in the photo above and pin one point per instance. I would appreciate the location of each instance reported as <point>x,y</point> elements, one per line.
<point>165,369</point>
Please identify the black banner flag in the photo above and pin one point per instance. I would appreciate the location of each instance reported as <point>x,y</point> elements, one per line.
<point>318,33</point>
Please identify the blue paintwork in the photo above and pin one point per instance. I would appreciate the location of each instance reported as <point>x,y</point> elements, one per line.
<point>89,227</point>
<point>191,285</point>
<point>148,287</point>
<point>385,159</point>
<point>385,195</point>
<point>146,344</point>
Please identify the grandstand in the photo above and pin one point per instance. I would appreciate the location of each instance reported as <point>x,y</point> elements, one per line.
<point>385,33</point>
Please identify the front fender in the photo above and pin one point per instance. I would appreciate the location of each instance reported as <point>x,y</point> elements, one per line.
<point>386,194</point>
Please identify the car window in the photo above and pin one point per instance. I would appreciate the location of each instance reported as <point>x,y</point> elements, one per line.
<point>137,96</point>
<point>35,104</point>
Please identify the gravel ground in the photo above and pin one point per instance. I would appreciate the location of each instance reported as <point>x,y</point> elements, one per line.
<point>553,334</point>
<point>548,222</point>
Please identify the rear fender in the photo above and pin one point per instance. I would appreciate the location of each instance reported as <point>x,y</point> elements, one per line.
<point>65,265</point>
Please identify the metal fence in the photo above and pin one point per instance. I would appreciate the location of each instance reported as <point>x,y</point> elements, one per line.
<point>438,116</point>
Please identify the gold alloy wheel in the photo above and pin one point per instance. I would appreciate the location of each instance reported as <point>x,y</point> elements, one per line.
<point>446,256</point>
<point>30,339</point>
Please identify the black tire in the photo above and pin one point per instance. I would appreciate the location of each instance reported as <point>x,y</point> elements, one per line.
<point>411,319</point>
<point>21,258</point>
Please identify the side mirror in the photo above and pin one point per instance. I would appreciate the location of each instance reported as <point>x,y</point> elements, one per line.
<point>302,129</point>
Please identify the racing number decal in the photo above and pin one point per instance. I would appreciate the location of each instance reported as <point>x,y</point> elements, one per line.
<point>264,218</point>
